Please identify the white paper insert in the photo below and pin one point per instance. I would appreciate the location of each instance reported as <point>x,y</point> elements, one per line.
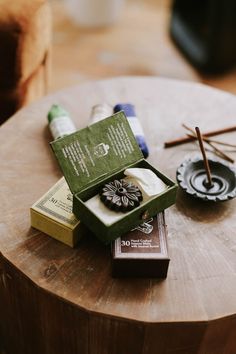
<point>147,180</point>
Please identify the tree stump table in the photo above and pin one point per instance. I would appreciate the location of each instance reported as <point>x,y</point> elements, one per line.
<point>55,299</point>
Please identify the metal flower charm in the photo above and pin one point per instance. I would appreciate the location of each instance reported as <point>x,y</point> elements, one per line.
<point>120,195</point>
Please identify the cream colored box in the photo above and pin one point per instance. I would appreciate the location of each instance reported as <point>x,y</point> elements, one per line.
<point>52,214</point>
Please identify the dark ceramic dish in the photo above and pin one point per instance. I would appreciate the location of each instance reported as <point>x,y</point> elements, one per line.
<point>192,178</point>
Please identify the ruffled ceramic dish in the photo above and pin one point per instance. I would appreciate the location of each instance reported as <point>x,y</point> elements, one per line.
<point>192,178</point>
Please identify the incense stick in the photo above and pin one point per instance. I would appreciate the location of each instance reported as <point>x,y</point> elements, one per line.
<point>220,142</point>
<point>184,140</point>
<point>218,151</point>
<point>206,164</point>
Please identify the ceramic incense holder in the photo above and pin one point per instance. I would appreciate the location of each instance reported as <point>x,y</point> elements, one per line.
<point>192,178</point>
<point>120,195</point>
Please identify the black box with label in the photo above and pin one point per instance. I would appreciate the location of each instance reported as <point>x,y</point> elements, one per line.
<point>142,252</point>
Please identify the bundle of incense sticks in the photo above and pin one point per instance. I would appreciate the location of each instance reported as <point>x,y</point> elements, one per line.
<point>191,136</point>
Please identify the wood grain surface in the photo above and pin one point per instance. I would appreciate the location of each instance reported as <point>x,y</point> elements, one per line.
<point>55,299</point>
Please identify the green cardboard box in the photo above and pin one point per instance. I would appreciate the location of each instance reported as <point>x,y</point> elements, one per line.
<point>101,153</point>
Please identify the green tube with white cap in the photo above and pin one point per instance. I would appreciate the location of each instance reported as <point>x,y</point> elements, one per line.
<point>59,121</point>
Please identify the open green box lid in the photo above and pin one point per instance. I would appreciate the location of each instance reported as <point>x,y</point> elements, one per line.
<point>97,151</point>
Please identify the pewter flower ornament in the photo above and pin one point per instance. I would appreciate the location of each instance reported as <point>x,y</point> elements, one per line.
<point>120,195</point>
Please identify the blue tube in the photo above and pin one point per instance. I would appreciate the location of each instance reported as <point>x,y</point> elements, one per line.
<point>135,125</point>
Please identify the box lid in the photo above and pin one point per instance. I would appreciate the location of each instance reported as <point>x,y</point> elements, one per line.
<point>97,151</point>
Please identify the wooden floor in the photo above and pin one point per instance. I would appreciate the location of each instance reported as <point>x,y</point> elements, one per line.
<point>138,44</point>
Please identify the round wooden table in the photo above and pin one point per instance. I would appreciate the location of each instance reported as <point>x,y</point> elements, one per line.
<point>55,299</point>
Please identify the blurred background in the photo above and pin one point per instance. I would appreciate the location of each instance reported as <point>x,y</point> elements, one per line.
<point>137,43</point>
<point>47,45</point>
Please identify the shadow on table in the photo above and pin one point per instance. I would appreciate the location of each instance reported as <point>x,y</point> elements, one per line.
<point>204,211</point>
